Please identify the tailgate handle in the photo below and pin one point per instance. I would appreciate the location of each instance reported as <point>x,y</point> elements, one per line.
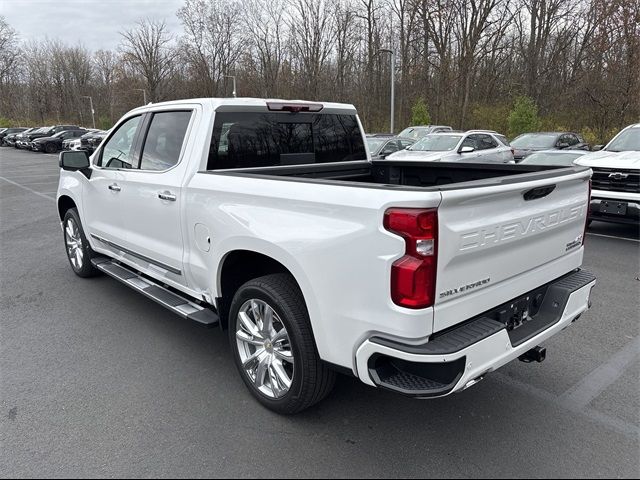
<point>538,192</point>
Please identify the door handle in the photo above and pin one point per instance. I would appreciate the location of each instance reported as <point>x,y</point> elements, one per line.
<point>115,187</point>
<point>166,195</point>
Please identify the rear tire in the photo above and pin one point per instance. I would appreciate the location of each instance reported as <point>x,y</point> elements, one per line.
<point>79,252</point>
<point>273,345</point>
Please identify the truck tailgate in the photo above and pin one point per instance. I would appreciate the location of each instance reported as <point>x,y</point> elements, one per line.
<point>501,234</point>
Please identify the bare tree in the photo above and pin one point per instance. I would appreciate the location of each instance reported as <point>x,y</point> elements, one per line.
<point>213,42</point>
<point>148,51</point>
<point>266,26</point>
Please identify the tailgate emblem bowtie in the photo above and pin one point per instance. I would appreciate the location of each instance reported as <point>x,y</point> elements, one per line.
<point>618,176</point>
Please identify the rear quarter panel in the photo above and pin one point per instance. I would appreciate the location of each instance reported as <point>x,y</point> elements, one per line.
<point>329,236</point>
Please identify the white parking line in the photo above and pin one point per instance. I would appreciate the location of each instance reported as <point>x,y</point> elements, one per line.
<point>28,189</point>
<point>614,237</point>
<point>581,394</point>
<point>39,175</point>
<point>626,428</point>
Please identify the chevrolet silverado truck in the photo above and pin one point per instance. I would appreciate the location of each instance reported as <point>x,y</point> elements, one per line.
<point>616,178</point>
<point>268,218</point>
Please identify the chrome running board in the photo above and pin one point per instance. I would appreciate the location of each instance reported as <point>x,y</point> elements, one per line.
<point>171,300</point>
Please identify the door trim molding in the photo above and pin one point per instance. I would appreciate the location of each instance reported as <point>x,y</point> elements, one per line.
<point>137,255</point>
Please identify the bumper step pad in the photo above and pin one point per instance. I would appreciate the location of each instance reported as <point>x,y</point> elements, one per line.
<point>424,380</point>
<point>176,302</point>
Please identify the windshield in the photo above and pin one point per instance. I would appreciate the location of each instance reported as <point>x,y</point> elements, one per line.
<point>436,143</point>
<point>545,158</point>
<point>413,133</point>
<point>535,140</point>
<point>626,141</point>
<point>374,144</point>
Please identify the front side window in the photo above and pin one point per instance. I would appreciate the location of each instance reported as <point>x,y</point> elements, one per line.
<point>248,139</point>
<point>471,141</point>
<point>163,143</point>
<point>390,147</point>
<point>118,151</point>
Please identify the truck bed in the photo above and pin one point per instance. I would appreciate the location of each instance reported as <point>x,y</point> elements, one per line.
<point>409,175</point>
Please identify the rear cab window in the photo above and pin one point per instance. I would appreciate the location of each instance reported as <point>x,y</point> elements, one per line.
<point>267,139</point>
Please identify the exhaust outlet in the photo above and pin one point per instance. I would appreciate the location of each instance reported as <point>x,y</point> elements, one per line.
<point>536,354</point>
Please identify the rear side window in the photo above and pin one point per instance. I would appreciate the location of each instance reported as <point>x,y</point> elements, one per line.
<point>249,139</point>
<point>163,142</point>
<point>503,139</point>
<point>486,142</point>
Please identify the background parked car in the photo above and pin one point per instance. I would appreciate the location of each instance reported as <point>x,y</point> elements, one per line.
<point>527,143</point>
<point>10,139</point>
<point>22,140</point>
<point>419,131</point>
<point>561,158</point>
<point>615,195</point>
<point>381,146</point>
<point>53,144</point>
<point>474,146</point>
<point>87,142</point>
<point>9,131</point>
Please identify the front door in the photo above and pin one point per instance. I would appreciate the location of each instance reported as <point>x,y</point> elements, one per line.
<point>102,195</point>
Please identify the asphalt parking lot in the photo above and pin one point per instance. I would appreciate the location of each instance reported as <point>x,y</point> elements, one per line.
<point>96,380</point>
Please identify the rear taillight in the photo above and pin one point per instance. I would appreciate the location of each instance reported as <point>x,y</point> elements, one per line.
<point>413,277</point>
<point>586,220</point>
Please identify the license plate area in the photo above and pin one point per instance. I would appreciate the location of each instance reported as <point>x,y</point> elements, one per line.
<point>519,311</point>
<point>613,207</point>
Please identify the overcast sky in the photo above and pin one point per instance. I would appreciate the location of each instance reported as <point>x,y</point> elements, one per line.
<point>94,23</point>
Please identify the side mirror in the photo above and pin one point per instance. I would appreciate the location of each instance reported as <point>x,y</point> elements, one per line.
<point>73,161</point>
<point>597,148</point>
<point>562,145</point>
<point>466,149</point>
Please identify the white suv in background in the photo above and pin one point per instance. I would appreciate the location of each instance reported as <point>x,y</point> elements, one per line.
<point>473,146</point>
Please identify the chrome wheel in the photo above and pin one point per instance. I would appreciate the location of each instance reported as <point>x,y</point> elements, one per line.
<point>73,240</point>
<point>265,348</point>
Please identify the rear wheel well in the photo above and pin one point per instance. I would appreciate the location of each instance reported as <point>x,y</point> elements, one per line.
<point>64,204</point>
<point>238,268</point>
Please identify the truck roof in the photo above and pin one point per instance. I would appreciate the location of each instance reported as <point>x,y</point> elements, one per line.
<point>245,102</point>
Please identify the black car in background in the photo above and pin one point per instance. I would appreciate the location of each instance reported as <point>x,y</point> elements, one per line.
<point>527,143</point>
<point>381,145</point>
<point>91,140</point>
<point>53,144</point>
<point>8,131</point>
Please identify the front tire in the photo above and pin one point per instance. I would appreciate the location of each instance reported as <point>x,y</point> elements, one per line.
<point>50,148</point>
<point>79,252</point>
<point>273,345</point>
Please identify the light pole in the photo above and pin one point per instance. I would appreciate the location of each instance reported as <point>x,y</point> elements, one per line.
<point>93,118</point>
<point>234,84</point>
<point>393,93</point>
<point>144,94</point>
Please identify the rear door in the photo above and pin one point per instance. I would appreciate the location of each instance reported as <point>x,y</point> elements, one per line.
<point>152,195</point>
<point>503,240</point>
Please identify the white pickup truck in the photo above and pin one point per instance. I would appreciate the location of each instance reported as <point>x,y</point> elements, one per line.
<point>268,219</point>
<point>616,178</point>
